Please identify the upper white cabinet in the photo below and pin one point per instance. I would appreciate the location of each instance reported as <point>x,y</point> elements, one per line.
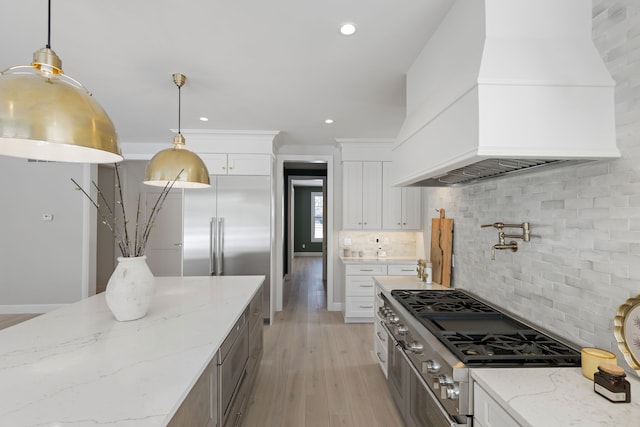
<point>401,207</point>
<point>362,195</point>
<point>237,164</point>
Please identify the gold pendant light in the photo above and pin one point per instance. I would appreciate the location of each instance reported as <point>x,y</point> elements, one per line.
<point>46,115</point>
<point>167,164</point>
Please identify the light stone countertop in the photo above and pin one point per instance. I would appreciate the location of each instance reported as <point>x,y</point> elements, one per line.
<point>379,260</point>
<point>545,397</point>
<point>389,283</point>
<point>78,366</point>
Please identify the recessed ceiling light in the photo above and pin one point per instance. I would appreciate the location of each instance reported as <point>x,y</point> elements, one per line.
<point>204,119</point>
<point>347,29</point>
<point>328,121</point>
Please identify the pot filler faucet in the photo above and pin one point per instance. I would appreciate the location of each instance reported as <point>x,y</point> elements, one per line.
<point>502,244</point>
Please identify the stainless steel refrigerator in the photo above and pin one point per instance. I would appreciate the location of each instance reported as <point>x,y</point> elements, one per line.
<point>227,229</point>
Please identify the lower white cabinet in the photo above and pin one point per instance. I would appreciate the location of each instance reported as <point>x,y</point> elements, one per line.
<point>487,412</point>
<point>359,305</point>
<point>380,336</point>
<point>358,291</point>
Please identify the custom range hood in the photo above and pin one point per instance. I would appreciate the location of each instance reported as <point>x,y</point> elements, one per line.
<point>504,86</point>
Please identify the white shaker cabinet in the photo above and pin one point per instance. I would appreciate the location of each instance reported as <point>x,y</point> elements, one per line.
<point>359,291</point>
<point>237,164</point>
<point>362,195</point>
<point>360,301</point>
<point>487,412</point>
<point>401,207</point>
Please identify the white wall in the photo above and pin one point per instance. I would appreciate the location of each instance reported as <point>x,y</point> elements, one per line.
<point>583,260</point>
<point>43,264</point>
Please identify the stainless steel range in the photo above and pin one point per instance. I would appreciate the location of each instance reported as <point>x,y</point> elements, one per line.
<point>437,336</point>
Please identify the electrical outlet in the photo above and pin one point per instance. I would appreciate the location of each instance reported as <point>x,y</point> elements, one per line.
<point>304,246</point>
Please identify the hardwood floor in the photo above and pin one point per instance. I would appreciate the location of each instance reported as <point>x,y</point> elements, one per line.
<point>317,370</point>
<point>7,320</point>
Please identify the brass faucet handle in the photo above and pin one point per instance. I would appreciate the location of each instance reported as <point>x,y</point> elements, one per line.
<point>498,225</point>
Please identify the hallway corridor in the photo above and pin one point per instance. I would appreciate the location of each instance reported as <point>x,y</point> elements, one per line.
<point>317,371</point>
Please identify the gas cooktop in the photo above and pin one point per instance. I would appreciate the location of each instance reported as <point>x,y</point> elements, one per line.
<point>479,334</point>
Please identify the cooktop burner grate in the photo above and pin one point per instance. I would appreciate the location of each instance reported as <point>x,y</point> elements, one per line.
<point>527,347</point>
<point>422,302</point>
<point>478,334</point>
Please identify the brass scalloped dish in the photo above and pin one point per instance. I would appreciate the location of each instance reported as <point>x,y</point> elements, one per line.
<point>627,331</point>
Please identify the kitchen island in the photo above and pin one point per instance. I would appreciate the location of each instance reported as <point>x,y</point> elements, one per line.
<point>78,366</point>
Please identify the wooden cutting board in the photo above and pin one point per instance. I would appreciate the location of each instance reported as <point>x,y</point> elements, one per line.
<point>441,247</point>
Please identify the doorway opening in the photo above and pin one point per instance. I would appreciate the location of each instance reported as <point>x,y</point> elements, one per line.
<point>305,231</point>
<point>306,224</point>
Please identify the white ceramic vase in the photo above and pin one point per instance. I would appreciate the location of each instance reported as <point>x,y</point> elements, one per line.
<point>130,288</point>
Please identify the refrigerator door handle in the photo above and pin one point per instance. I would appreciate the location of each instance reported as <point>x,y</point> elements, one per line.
<point>213,231</point>
<point>221,246</point>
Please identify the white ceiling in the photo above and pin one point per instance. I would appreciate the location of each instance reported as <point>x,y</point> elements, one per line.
<point>250,64</point>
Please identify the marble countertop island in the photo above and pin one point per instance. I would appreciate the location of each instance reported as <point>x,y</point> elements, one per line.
<point>544,397</point>
<point>78,366</point>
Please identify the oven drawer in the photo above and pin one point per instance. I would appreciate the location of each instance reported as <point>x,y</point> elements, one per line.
<point>359,286</point>
<point>366,270</point>
<point>402,270</point>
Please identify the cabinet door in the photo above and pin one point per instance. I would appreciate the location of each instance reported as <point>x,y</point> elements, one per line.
<point>371,195</point>
<point>411,208</point>
<point>352,195</point>
<point>359,286</point>
<point>488,412</point>
<point>391,201</point>
<point>216,163</point>
<point>249,164</point>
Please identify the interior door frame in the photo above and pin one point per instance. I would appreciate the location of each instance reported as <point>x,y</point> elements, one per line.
<point>280,232</point>
<point>290,233</point>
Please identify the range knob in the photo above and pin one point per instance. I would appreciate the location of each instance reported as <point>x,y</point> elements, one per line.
<point>444,381</point>
<point>402,329</point>
<point>393,319</point>
<point>430,367</point>
<point>453,393</point>
<point>415,347</point>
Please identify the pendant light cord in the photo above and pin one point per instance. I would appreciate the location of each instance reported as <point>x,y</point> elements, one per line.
<point>179,104</point>
<point>49,27</point>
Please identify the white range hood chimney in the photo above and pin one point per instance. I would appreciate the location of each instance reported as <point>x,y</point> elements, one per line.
<point>504,85</point>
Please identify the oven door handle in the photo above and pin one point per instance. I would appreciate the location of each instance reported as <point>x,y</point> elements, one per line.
<point>452,423</point>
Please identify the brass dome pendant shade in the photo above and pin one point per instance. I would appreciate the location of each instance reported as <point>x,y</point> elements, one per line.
<point>163,168</point>
<point>46,115</point>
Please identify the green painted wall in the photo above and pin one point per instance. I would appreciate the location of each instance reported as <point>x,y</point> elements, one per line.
<point>302,221</point>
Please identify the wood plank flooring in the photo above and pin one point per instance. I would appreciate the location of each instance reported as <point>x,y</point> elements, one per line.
<point>317,370</point>
<point>7,320</point>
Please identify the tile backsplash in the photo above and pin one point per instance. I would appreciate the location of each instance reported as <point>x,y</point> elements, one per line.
<point>395,244</point>
<point>583,260</point>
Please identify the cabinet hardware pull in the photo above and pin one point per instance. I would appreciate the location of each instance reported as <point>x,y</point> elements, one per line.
<point>407,269</point>
<point>382,337</point>
<point>366,269</point>
<point>366,306</point>
<point>381,359</point>
<point>366,286</point>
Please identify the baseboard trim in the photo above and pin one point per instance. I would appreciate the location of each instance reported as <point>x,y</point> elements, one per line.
<point>335,306</point>
<point>28,308</point>
<point>307,254</point>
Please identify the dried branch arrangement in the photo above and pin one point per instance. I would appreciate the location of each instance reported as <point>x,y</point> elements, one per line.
<point>116,219</point>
